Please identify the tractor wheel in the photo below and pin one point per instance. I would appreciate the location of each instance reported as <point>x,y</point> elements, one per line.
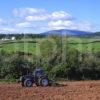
<point>28,83</point>
<point>44,82</point>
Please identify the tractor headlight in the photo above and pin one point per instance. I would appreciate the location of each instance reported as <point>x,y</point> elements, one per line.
<point>20,79</point>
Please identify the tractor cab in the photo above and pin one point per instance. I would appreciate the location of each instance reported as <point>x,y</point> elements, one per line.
<point>39,72</point>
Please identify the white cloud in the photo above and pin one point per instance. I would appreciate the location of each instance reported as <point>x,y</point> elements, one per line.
<point>58,15</point>
<point>60,24</point>
<point>84,25</point>
<point>36,18</point>
<point>61,15</point>
<point>23,25</point>
<point>2,22</point>
<point>35,14</point>
<point>21,12</point>
<point>7,29</point>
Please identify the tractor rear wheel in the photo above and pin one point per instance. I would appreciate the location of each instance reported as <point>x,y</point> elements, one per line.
<point>44,82</point>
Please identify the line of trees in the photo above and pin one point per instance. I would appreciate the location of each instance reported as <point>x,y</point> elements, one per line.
<point>21,36</point>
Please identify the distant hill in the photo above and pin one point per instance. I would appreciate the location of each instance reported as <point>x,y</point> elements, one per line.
<point>92,35</point>
<point>66,32</point>
<point>62,32</point>
<point>95,34</point>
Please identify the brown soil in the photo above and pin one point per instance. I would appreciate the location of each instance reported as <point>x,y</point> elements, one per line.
<point>84,90</point>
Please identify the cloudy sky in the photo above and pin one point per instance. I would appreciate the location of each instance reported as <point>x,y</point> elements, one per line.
<point>43,15</point>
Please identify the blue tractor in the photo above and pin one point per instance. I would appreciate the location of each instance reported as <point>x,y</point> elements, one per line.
<point>38,77</point>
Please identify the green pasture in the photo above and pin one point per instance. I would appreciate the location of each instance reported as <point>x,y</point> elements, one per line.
<point>23,47</point>
<point>81,44</point>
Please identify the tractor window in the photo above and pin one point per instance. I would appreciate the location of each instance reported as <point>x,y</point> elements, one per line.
<point>39,73</point>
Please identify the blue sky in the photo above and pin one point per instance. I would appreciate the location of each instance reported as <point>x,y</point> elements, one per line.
<point>43,15</point>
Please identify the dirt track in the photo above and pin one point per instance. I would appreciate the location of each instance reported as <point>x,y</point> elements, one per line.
<point>88,90</point>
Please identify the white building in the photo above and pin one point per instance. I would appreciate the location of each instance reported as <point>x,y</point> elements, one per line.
<point>13,38</point>
<point>4,39</point>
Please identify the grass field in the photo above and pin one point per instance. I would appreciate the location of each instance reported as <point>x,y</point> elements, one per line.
<point>81,44</point>
<point>90,47</point>
<point>21,45</point>
<point>85,44</point>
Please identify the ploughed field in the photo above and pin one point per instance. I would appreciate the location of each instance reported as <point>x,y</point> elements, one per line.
<point>83,90</point>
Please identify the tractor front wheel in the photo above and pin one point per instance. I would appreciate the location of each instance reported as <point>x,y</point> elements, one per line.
<point>28,83</point>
